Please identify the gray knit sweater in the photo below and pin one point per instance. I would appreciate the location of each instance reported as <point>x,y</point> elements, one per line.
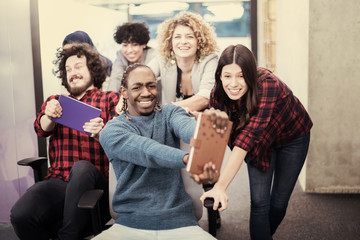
<point>147,161</point>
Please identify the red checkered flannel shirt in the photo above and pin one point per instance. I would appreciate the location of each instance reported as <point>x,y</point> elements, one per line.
<point>280,118</point>
<point>67,146</point>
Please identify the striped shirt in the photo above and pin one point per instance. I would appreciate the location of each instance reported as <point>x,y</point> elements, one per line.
<point>67,146</point>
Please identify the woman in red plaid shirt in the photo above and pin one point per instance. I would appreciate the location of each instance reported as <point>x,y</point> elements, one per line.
<point>271,132</point>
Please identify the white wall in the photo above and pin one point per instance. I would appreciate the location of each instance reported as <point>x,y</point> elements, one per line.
<point>334,60</point>
<point>99,23</point>
<point>292,51</point>
<point>318,57</point>
<point>292,39</point>
<point>17,102</point>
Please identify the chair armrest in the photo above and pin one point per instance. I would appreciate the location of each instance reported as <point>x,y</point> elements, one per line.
<point>33,161</point>
<point>90,198</point>
<point>38,164</point>
<point>209,203</point>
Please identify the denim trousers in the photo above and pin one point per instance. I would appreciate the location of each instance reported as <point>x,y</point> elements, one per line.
<point>270,191</point>
<point>52,204</point>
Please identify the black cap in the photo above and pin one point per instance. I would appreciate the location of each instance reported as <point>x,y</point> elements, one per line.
<point>78,37</point>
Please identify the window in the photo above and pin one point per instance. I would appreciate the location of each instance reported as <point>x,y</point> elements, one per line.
<point>231,19</point>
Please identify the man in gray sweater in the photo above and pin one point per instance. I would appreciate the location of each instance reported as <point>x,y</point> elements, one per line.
<point>142,144</point>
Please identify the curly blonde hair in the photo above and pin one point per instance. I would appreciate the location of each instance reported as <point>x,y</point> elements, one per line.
<point>205,34</point>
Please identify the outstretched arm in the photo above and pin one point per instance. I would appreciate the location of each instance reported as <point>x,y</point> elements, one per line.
<point>218,192</point>
<point>194,103</point>
<point>124,142</point>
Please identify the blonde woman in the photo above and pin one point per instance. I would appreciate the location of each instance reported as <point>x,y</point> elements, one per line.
<point>186,65</point>
<point>185,70</point>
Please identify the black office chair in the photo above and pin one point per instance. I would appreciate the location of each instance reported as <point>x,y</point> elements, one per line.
<point>89,200</point>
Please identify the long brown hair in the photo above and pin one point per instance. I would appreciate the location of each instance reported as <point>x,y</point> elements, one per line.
<point>248,104</point>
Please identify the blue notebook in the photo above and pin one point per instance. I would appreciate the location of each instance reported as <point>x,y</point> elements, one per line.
<point>75,113</point>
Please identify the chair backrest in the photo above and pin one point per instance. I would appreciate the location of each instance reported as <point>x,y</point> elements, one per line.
<point>112,187</point>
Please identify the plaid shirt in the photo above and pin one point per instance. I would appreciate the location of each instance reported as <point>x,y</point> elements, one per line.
<point>280,118</point>
<point>67,146</point>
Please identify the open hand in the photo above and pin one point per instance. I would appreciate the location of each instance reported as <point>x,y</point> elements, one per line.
<point>208,176</point>
<point>94,126</point>
<point>219,118</point>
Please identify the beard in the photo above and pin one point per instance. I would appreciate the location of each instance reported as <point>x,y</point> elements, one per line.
<point>77,91</point>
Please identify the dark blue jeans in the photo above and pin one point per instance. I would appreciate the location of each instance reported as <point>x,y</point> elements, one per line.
<point>53,201</point>
<point>270,191</point>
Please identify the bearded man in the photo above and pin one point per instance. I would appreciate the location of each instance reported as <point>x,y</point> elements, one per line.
<point>77,162</point>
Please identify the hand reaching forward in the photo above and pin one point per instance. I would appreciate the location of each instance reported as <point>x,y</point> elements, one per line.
<point>94,127</point>
<point>219,118</point>
<point>208,176</point>
<point>219,196</point>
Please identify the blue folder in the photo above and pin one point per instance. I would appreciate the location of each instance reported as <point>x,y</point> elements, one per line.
<point>76,113</point>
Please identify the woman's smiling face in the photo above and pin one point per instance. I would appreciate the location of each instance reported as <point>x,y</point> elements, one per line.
<point>184,42</point>
<point>133,52</point>
<point>233,81</point>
